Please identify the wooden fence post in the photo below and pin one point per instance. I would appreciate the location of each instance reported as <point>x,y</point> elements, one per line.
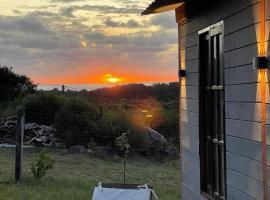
<point>19,144</point>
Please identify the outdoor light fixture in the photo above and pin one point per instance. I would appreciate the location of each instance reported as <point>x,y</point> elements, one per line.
<point>181,73</point>
<point>260,62</point>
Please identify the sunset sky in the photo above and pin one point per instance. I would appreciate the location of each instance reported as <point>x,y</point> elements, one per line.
<point>87,41</point>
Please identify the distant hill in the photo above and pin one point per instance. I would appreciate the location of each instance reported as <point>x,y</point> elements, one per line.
<point>164,92</point>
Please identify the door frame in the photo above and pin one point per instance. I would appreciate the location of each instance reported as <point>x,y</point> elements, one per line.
<point>214,29</point>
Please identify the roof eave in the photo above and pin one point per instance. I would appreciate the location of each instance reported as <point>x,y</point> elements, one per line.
<point>162,6</point>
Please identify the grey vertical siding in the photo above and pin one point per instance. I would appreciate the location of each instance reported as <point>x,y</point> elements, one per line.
<point>242,102</point>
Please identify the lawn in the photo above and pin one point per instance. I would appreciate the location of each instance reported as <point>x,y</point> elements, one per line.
<point>74,176</point>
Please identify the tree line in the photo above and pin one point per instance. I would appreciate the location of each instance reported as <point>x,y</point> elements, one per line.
<point>96,117</point>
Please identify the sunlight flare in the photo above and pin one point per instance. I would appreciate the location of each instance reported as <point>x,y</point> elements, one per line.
<point>111,79</point>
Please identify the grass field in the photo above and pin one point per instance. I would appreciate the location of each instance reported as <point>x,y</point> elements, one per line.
<point>74,176</point>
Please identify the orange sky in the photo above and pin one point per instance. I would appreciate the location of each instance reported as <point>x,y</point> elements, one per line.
<point>79,42</point>
<point>99,78</point>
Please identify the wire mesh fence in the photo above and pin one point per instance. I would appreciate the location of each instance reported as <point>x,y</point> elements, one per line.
<point>81,139</point>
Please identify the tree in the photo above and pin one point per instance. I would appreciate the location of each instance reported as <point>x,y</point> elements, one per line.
<point>123,144</point>
<point>13,85</point>
<point>76,122</point>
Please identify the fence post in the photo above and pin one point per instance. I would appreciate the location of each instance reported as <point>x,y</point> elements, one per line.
<point>19,144</point>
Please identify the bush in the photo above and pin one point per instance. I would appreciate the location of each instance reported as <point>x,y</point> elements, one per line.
<point>116,121</point>
<point>40,167</point>
<point>41,108</point>
<point>169,128</point>
<point>139,142</point>
<point>10,109</point>
<point>76,122</point>
<point>111,124</point>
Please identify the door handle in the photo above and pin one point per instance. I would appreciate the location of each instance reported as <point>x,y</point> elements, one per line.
<point>216,141</point>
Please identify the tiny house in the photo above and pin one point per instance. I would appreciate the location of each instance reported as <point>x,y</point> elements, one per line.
<point>224,97</point>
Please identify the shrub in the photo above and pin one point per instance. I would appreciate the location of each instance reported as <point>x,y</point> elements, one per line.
<point>118,121</point>
<point>110,125</point>
<point>10,109</point>
<point>169,127</point>
<point>139,142</point>
<point>40,167</point>
<point>76,122</point>
<point>41,108</point>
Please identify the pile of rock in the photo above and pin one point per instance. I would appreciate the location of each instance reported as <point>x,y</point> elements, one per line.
<point>8,130</point>
<point>34,134</point>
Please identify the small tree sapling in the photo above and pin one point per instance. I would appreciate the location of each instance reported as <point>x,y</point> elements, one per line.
<point>123,144</point>
<point>40,167</point>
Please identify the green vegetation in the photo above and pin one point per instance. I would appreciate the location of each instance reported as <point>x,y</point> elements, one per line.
<point>40,167</point>
<point>41,107</point>
<point>123,145</point>
<point>95,120</point>
<point>76,122</point>
<point>98,116</point>
<point>9,109</point>
<point>74,176</point>
<point>79,121</point>
<point>13,85</point>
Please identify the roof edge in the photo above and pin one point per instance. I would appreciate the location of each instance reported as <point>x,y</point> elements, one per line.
<point>159,6</point>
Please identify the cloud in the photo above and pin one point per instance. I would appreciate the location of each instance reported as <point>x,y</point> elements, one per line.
<point>66,1</point>
<point>111,23</point>
<point>166,20</point>
<point>44,42</point>
<point>132,24</point>
<point>25,24</point>
<point>29,32</point>
<point>42,13</point>
<point>133,3</point>
<point>68,11</point>
<point>129,24</point>
<point>139,42</point>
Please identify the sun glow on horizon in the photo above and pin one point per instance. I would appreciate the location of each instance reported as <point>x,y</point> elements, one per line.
<point>111,79</point>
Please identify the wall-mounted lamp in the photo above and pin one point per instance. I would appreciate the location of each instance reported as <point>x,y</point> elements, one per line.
<point>181,73</point>
<point>260,62</point>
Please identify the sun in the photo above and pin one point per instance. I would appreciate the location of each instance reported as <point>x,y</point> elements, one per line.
<point>111,79</point>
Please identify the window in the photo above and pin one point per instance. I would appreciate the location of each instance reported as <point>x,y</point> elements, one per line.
<point>211,112</point>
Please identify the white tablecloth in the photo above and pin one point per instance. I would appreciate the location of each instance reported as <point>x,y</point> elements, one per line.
<point>121,194</point>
